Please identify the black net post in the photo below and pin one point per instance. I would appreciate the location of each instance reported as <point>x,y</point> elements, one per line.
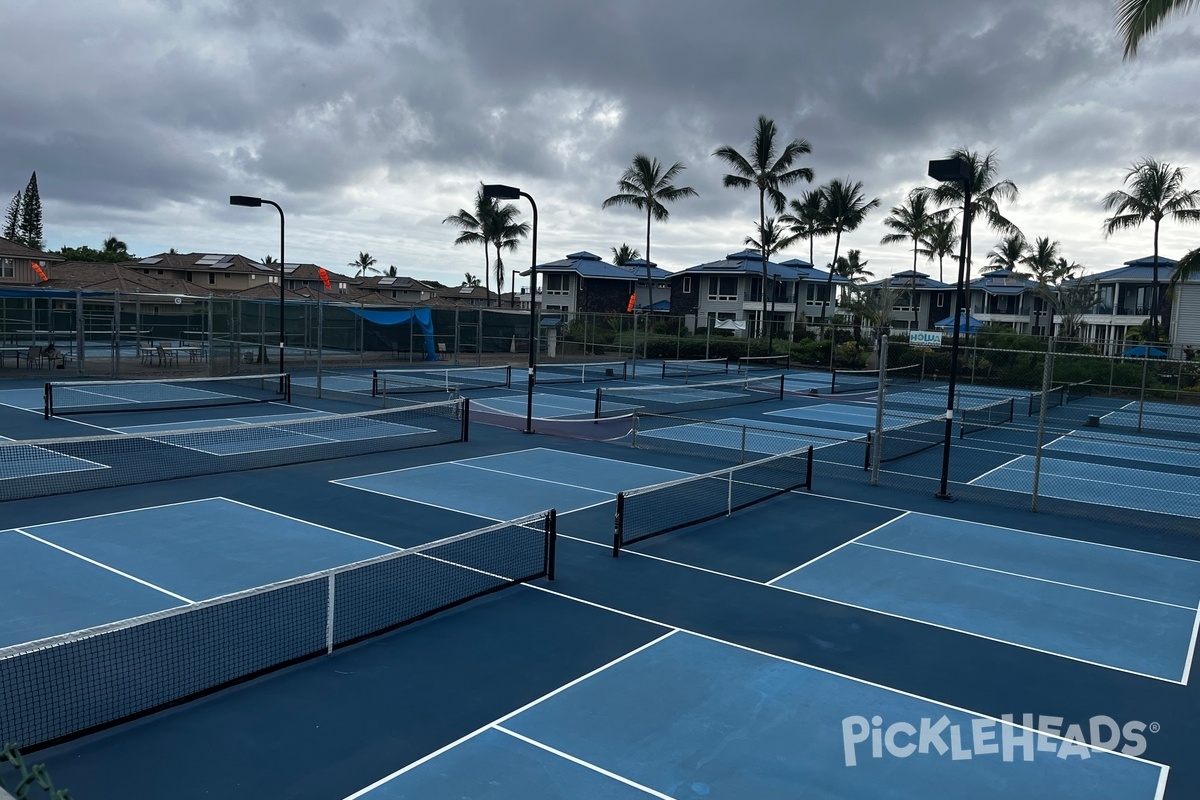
<point>782,379</point>
<point>551,542</point>
<point>466,419</point>
<point>808,478</point>
<point>48,400</point>
<point>599,394</point>
<point>618,524</point>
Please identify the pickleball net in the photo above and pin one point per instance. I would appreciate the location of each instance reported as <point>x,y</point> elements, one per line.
<point>862,380</point>
<point>689,397</point>
<point>665,507</point>
<point>586,372</point>
<point>687,369</point>
<point>450,380</point>
<point>63,398</point>
<point>58,688</point>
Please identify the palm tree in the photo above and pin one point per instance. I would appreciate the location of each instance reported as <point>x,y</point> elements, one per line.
<point>470,280</point>
<point>845,209</point>
<point>363,264</point>
<point>913,221</point>
<point>776,238</point>
<point>646,186</point>
<point>1009,253</point>
<point>1137,18</point>
<point>875,304</point>
<point>853,269</point>
<point>392,272</point>
<point>1155,193</point>
<point>941,241</point>
<point>268,260</point>
<point>1076,297</point>
<point>1186,268</point>
<point>807,218</point>
<point>986,193</point>
<point>766,169</point>
<point>114,246</point>
<point>624,254</point>
<point>1048,270</point>
<point>476,228</point>
<point>503,232</point>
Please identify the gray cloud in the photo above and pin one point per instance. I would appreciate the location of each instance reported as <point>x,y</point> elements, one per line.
<point>371,122</point>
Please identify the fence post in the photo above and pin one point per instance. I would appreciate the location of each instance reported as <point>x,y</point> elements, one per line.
<point>80,334</point>
<point>1047,379</point>
<point>320,346</point>
<point>875,443</point>
<point>743,456</point>
<point>1142,392</point>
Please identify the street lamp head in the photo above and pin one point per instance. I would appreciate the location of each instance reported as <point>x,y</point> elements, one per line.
<point>950,169</point>
<point>245,200</point>
<point>500,191</point>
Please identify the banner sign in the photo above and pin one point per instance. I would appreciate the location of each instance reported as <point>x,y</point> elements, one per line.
<point>925,338</point>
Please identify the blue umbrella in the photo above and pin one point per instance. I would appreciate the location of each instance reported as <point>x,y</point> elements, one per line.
<point>1142,351</point>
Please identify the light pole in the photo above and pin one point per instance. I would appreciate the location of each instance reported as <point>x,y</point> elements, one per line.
<point>512,298</point>
<point>954,169</point>
<point>502,192</point>
<point>257,202</point>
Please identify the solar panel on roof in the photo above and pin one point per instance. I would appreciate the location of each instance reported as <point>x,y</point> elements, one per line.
<point>466,289</point>
<point>386,281</point>
<point>151,260</point>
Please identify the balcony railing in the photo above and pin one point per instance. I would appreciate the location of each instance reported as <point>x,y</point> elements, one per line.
<point>1134,310</point>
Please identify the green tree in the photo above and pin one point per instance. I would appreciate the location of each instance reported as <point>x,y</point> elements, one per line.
<point>1009,253</point>
<point>268,260</point>
<point>502,231</point>
<point>1187,268</point>
<point>1049,270</point>
<point>874,305</point>
<point>1155,193</point>
<point>767,168</point>
<point>363,264</point>
<point>624,254</point>
<point>471,227</point>
<point>392,272</point>
<point>1076,297</point>
<point>12,218</point>
<point>1139,18</point>
<point>470,280</point>
<point>845,209</point>
<point>940,242</point>
<point>987,192</point>
<point>29,229</point>
<point>911,221</point>
<point>807,218</point>
<point>116,249</point>
<point>852,267</point>
<point>647,186</point>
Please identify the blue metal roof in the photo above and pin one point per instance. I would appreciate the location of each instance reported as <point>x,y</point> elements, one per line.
<point>750,262</point>
<point>1140,270</point>
<point>589,265</point>
<point>1001,282</point>
<point>902,280</point>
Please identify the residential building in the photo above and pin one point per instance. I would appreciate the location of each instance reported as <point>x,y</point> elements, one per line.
<point>582,282</point>
<point>931,299</point>
<point>17,264</point>
<point>999,297</point>
<point>1123,297</point>
<point>473,296</point>
<point>1185,319</point>
<point>218,272</point>
<point>731,289</point>
<point>408,290</point>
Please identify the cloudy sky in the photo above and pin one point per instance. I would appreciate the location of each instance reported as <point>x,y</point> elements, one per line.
<point>370,122</point>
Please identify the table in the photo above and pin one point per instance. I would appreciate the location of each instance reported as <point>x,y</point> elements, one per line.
<point>15,352</point>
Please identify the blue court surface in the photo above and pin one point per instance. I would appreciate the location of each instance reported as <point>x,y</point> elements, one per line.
<point>204,424</point>
<point>761,435</point>
<point>1142,449</point>
<point>690,717</point>
<point>512,485</point>
<point>131,563</point>
<point>1089,482</point>
<point>27,462</point>
<point>1174,423</point>
<point>861,417</point>
<point>1119,608</point>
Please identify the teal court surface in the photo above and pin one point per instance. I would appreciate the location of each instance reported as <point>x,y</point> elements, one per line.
<point>323,600</point>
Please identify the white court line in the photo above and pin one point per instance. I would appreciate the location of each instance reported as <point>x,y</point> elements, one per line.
<point>834,550</point>
<point>994,469</point>
<point>310,524</point>
<point>104,566</point>
<point>126,511</point>
<point>388,778</point>
<point>539,480</point>
<point>891,614</point>
<point>587,764</point>
<point>340,482</point>
<point>1187,664</point>
<point>823,670</point>
<point>1023,575</point>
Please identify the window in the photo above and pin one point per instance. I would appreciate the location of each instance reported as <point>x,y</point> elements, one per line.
<point>556,308</point>
<point>816,293</point>
<point>188,275</point>
<point>212,277</point>
<point>687,284</point>
<point>723,288</point>
<point>941,300</point>
<point>8,268</point>
<point>558,283</point>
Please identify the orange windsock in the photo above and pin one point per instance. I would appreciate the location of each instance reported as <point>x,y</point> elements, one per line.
<point>38,269</point>
<point>325,278</point>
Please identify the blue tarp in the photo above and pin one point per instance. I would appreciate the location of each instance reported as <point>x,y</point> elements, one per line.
<point>422,317</point>
<point>1142,351</point>
<point>969,325</point>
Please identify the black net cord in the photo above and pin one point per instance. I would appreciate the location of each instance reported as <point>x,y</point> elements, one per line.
<point>618,524</point>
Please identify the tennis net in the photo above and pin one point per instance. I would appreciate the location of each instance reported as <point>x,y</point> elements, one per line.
<point>655,510</point>
<point>861,380</point>
<point>58,688</point>
<point>64,398</point>
<point>983,417</point>
<point>774,363</point>
<point>1078,391</point>
<point>906,440</point>
<point>41,467</point>
<point>1054,398</point>
<point>706,367</point>
<point>690,397</point>
<point>581,373</point>
<point>452,380</point>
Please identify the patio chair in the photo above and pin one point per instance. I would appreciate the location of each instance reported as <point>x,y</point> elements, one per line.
<point>166,357</point>
<point>34,354</point>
